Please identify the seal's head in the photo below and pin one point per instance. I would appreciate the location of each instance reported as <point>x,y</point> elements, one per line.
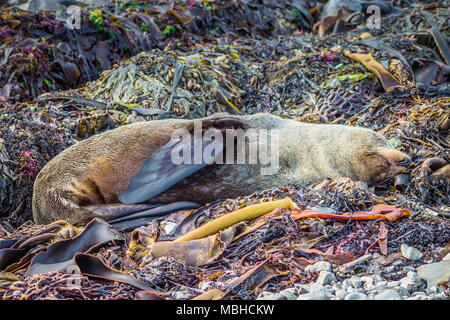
<point>380,161</point>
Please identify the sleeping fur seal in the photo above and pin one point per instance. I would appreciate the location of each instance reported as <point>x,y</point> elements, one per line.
<point>127,170</point>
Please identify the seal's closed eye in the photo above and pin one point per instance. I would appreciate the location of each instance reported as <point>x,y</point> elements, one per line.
<point>159,172</point>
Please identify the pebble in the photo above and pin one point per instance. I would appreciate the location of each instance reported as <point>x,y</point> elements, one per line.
<point>340,293</point>
<point>182,295</point>
<point>313,296</point>
<point>382,285</point>
<point>409,268</point>
<point>288,294</point>
<point>326,277</point>
<point>356,296</point>
<point>402,290</point>
<point>367,282</point>
<point>319,266</point>
<point>388,295</point>
<point>303,288</point>
<point>169,227</point>
<point>206,285</point>
<point>410,253</point>
<point>355,282</point>
<point>275,296</point>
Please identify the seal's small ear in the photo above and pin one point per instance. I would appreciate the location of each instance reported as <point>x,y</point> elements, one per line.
<point>160,172</point>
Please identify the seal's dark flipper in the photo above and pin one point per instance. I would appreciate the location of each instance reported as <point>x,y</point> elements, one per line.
<point>160,172</point>
<point>136,220</point>
<point>110,212</point>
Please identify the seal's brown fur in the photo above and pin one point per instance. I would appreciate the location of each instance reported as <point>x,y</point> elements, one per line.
<point>97,170</point>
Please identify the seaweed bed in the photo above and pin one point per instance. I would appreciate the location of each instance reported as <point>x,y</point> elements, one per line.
<point>312,61</point>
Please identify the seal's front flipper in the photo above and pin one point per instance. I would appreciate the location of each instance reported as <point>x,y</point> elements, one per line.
<point>171,163</point>
<point>114,211</point>
<point>139,219</point>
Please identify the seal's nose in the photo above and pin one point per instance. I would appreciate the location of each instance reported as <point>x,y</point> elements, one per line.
<point>405,162</point>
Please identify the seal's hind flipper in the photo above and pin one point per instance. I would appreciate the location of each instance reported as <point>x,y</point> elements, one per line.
<point>114,211</point>
<point>139,219</point>
<point>159,172</point>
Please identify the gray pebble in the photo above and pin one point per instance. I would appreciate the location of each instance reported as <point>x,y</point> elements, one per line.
<point>274,296</point>
<point>340,293</point>
<point>313,296</point>
<point>355,282</point>
<point>326,277</point>
<point>356,296</point>
<point>410,253</point>
<point>319,266</point>
<point>388,295</point>
<point>288,294</point>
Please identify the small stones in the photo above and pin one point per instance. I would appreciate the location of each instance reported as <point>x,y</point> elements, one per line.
<point>355,282</point>
<point>182,295</point>
<point>356,296</point>
<point>410,253</point>
<point>169,227</point>
<point>319,266</point>
<point>272,296</point>
<point>302,288</point>
<point>367,282</point>
<point>289,294</point>
<point>388,295</point>
<point>340,293</point>
<point>326,277</point>
<point>313,296</point>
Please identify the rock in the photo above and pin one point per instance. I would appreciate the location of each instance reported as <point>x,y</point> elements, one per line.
<point>276,296</point>
<point>340,293</point>
<point>367,282</point>
<point>313,296</point>
<point>403,291</point>
<point>345,284</point>
<point>413,276</point>
<point>393,284</point>
<point>390,269</point>
<point>388,295</point>
<point>182,295</point>
<point>356,296</point>
<point>169,227</point>
<point>303,288</point>
<point>206,285</point>
<point>316,287</point>
<point>410,253</point>
<point>382,285</point>
<point>319,266</point>
<point>435,273</point>
<point>288,294</point>
<point>355,282</point>
<point>408,269</point>
<point>326,277</point>
<point>347,267</point>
